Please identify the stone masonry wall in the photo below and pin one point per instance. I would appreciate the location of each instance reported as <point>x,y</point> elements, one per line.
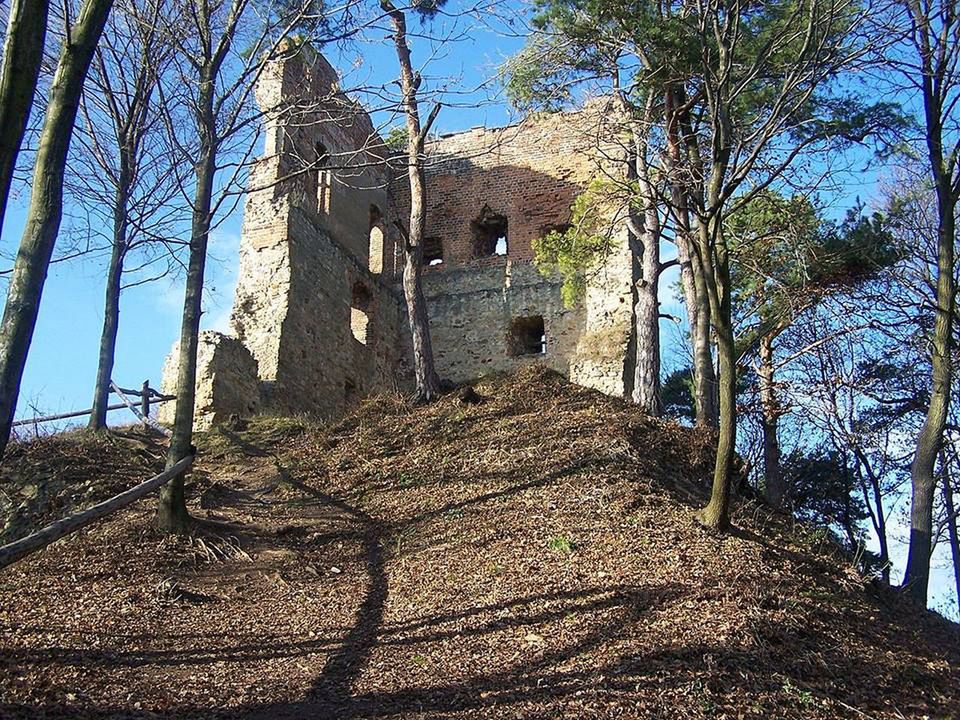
<point>227,382</point>
<point>530,173</point>
<point>306,248</point>
<point>318,318</point>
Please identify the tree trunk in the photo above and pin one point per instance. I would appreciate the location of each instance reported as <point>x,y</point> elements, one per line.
<point>46,207</point>
<point>645,248</point>
<point>917,575</point>
<point>646,378</point>
<point>111,308</point>
<point>172,514</point>
<point>698,320</point>
<point>704,376</point>
<point>714,265</point>
<point>716,515</point>
<point>428,383</point>
<point>881,530</point>
<point>874,499</point>
<point>22,54</point>
<point>692,278</point>
<point>774,488</point>
<point>951,510</point>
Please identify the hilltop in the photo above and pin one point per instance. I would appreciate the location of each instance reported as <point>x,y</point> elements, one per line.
<point>526,552</point>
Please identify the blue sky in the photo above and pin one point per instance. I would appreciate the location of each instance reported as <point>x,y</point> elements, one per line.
<point>61,366</point>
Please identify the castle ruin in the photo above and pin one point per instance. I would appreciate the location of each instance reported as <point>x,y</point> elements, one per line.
<point>318,318</point>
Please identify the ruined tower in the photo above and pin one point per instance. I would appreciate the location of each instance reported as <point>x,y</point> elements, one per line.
<point>318,319</point>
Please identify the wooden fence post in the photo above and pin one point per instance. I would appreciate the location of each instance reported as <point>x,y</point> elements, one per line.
<point>145,399</point>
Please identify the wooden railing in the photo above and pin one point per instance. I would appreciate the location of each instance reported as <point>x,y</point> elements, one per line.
<point>147,396</point>
<point>70,524</point>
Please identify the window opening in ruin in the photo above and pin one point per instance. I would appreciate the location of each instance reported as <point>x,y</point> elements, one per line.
<point>361,301</point>
<point>489,233</point>
<point>528,336</point>
<point>324,183</point>
<point>376,240</point>
<point>432,251</point>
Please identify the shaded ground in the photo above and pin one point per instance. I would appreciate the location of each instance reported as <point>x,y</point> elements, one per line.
<point>532,556</point>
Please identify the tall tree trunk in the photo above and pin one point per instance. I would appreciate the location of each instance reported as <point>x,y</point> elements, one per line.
<point>111,305</point>
<point>698,319</point>
<point>714,262</point>
<point>917,575</point>
<point>646,379</point>
<point>172,514</point>
<point>46,207</point>
<point>680,134</point>
<point>774,488</point>
<point>716,515</point>
<point>704,375</point>
<point>937,63</point>
<point>952,534</point>
<point>22,54</point>
<point>645,248</point>
<point>428,383</point>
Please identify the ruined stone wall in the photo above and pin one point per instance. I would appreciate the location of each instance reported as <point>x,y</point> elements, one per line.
<point>318,319</point>
<point>325,142</point>
<point>529,173</point>
<point>315,309</point>
<point>226,381</point>
<point>306,248</point>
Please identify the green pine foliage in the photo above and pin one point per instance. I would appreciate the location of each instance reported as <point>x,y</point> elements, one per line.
<point>574,251</point>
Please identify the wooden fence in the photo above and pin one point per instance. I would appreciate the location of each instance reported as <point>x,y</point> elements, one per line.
<point>70,524</point>
<point>146,395</point>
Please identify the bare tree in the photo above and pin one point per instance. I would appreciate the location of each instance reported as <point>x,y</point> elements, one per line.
<point>759,85</point>
<point>933,35</point>
<point>46,205</point>
<point>222,48</point>
<point>22,56</point>
<point>427,381</point>
<point>125,175</point>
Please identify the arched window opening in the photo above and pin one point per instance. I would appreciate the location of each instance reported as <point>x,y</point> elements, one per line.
<point>361,301</point>
<point>376,240</point>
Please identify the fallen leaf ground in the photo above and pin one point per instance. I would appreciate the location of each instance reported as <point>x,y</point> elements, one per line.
<point>530,556</point>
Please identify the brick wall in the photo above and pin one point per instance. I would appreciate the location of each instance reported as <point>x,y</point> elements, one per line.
<point>531,173</point>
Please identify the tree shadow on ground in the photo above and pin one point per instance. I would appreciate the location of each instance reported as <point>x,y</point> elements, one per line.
<point>360,667</point>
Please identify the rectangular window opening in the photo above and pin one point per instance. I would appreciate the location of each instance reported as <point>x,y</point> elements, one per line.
<point>432,251</point>
<point>489,232</point>
<point>528,336</point>
<point>361,301</point>
<point>324,185</point>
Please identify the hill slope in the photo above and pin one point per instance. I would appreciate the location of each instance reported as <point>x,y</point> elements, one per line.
<point>530,556</point>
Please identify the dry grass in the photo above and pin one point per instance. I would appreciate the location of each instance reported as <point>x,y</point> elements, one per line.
<point>531,556</point>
